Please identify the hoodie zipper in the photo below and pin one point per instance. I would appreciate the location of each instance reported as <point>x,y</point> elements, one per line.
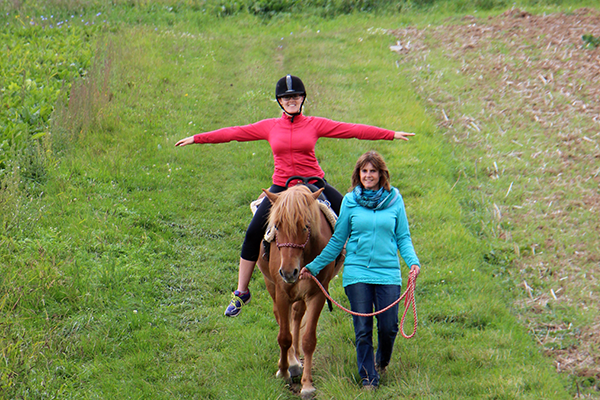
<point>374,239</point>
<point>293,162</point>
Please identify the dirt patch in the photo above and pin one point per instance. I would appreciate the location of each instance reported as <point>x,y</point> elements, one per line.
<point>519,95</point>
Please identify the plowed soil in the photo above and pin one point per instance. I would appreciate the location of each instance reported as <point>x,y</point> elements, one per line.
<point>523,104</point>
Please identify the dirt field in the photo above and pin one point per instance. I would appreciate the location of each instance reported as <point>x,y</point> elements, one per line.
<point>519,95</point>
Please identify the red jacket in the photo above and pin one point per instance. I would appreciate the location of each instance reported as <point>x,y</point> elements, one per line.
<point>293,143</point>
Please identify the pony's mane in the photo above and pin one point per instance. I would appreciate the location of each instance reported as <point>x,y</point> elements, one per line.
<point>294,210</point>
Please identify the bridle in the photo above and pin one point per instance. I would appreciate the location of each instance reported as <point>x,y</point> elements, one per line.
<point>293,245</point>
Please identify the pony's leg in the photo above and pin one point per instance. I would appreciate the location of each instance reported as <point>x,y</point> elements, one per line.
<point>284,338</point>
<point>273,293</point>
<point>309,343</point>
<point>298,310</point>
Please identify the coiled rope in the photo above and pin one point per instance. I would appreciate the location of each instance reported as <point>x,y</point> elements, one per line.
<point>408,296</point>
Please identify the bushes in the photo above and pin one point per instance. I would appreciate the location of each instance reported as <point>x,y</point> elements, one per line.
<point>43,56</point>
<point>264,8</point>
<point>332,8</point>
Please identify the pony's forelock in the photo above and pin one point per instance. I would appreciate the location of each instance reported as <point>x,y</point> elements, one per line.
<point>294,210</point>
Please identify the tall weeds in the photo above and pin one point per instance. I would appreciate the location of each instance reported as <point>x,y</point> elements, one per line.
<point>86,107</point>
<point>71,120</point>
<point>9,198</point>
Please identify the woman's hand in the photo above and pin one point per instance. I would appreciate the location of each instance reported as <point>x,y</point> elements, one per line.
<point>416,269</point>
<point>402,135</point>
<point>186,141</point>
<point>305,273</point>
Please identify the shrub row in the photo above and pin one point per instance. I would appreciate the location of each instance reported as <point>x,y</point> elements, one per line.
<point>268,8</point>
<point>42,56</point>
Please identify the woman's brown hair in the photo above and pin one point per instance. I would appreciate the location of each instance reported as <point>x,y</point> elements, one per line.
<point>377,161</point>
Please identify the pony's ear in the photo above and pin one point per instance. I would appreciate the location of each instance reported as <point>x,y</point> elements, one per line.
<point>316,194</point>
<point>271,196</point>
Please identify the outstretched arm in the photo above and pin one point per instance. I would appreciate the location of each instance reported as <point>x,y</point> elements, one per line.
<point>245,133</point>
<point>186,141</point>
<point>402,135</point>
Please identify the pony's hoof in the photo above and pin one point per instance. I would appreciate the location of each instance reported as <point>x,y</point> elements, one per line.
<point>286,377</point>
<point>295,370</point>
<point>307,394</point>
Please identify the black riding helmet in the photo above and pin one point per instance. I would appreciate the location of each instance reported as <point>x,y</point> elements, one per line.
<point>288,85</point>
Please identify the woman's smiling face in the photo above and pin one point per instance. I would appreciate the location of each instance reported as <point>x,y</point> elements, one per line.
<point>369,177</point>
<point>291,103</point>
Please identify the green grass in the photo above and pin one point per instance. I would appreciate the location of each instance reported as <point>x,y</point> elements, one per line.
<point>115,275</point>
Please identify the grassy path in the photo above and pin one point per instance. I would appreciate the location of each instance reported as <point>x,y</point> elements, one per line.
<point>121,286</point>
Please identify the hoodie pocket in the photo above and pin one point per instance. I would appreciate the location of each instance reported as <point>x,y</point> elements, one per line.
<point>363,248</point>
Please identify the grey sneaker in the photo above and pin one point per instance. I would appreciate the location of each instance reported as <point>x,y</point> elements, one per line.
<point>369,388</point>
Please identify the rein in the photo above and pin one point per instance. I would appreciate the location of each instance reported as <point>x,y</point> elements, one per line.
<point>408,296</point>
<point>294,245</point>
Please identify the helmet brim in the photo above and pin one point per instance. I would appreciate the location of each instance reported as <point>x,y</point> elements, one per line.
<point>289,92</point>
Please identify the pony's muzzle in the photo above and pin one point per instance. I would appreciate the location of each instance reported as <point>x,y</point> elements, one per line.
<point>289,276</point>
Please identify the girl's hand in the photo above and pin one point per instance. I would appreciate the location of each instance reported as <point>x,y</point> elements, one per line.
<point>402,135</point>
<point>186,141</point>
<point>305,273</point>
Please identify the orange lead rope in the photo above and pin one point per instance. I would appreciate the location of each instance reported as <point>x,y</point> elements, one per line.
<point>410,299</point>
<point>408,296</point>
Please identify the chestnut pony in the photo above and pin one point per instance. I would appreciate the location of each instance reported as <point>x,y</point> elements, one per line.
<point>302,231</point>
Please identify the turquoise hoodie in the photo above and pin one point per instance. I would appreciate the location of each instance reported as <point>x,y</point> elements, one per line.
<point>374,237</point>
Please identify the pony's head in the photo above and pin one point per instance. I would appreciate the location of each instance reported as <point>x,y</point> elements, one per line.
<point>294,214</point>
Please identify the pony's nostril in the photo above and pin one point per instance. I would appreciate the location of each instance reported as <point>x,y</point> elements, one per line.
<point>289,276</point>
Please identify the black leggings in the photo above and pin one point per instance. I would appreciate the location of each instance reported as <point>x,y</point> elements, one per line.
<point>258,225</point>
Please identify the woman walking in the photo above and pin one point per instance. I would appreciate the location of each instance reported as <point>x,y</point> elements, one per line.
<point>373,222</point>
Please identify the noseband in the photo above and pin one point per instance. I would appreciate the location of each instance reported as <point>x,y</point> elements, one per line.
<point>294,245</point>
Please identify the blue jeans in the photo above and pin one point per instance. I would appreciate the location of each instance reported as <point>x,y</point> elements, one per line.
<point>363,297</point>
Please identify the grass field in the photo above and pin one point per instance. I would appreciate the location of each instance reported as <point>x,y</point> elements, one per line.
<point>116,267</point>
